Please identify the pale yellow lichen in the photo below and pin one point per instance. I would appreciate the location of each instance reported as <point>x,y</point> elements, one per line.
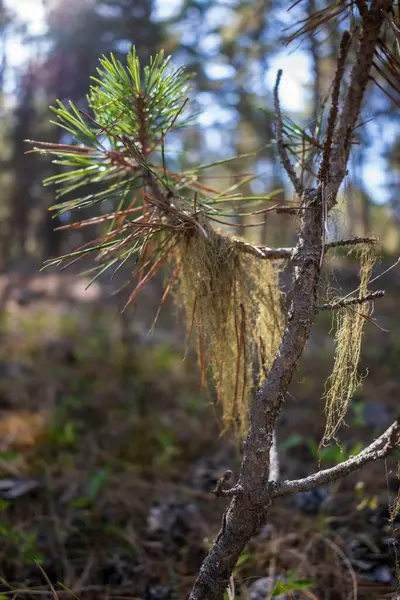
<point>232,301</point>
<point>345,378</point>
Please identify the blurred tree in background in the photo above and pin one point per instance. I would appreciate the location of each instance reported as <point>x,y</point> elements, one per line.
<point>234,47</point>
<point>59,62</point>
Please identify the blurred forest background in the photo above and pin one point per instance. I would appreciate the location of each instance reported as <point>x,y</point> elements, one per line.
<point>50,49</point>
<point>109,451</point>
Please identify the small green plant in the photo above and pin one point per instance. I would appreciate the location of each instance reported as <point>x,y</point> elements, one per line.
<point>290,584</point>
<point>64,434</point>
<point>358,419</point>
<point>4,504</point>
<point>243,559</point>
<point>68,326</point>
<point>160,360</point>
<point>8,455</point>
<point>96,482</point>
<point>365,500</point>
<point>333,453</point>
<point>169,450</point>
<point>23,543</point>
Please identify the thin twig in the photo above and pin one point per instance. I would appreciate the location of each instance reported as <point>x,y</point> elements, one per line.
<point>346,561</point>
<point>362,8</point>
<point>323,173</point>
<point>317,19</point>
<point>352,242</point>
<point>283,155</point>
<point>375,278</point>
<point>263,251</point>
<point>53,591</point>
<point>379,449</point>
<point>221,481</point>
<point>351,301</point>
<point>220,492</point>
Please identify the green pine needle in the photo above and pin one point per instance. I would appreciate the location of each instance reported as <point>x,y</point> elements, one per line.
<point>115,152</point>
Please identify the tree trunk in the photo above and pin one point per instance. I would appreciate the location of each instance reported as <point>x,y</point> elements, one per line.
<point>247,512</point>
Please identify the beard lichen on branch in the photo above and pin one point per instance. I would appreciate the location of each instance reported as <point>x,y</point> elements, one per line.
<point>345,377</point>
<point>232,303</point>
<point>229,288</point>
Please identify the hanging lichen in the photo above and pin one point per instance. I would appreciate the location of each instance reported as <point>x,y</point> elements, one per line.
<point>232,304</point>
<point>345,378</point>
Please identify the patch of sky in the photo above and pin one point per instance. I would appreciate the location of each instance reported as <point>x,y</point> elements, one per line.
<point>215,139</point>
<point>210,44</point>
<point>108,11</point>
<point>166,9</point>
<point>219,70</point>
<point>220,16</point>
<point>296,73</point>
<point>375,176</point>
<point>212,113</point>
<point>122,46</point>
<point>264,170</point>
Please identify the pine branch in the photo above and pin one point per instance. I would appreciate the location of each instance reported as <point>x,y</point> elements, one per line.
<point>134,110</point>
<point>321,17</point>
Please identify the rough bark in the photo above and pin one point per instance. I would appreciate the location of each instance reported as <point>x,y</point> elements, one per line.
<point>372,21</point>
<point>247,511</point>
<point>253,493</point>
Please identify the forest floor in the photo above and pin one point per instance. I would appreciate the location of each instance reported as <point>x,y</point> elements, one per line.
<point>109,453</point>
